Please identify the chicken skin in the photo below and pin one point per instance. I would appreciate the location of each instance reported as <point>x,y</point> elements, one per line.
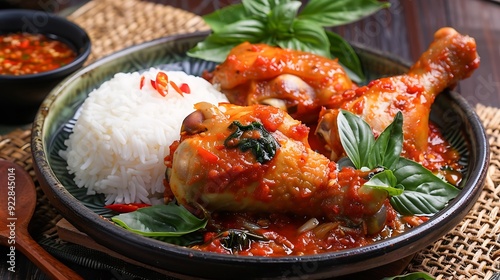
<point>295,81</point>
<point>207,169</point>
<point>450,58</point>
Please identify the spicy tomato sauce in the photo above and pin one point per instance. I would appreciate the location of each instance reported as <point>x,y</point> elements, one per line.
<point>276,234</point>
<point>25,53</point>
<point>279,234</point>
<point>440,157</point>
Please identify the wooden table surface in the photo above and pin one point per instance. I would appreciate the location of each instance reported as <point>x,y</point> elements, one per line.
<point>405,30</point>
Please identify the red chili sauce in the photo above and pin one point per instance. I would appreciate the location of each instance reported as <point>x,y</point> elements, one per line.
<point>284,234</point>
<point>440,157</point>
<point>25,53</point>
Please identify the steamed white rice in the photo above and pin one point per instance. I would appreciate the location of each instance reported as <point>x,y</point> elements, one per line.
<point>123,133</point>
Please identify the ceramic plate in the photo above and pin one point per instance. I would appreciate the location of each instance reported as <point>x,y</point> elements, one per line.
<point>55,120</point>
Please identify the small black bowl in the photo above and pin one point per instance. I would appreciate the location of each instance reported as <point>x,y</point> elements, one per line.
<point>20,96</point>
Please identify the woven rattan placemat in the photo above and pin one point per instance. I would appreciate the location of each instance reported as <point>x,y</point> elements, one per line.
<point>113,25</point>
<point>470,251</point>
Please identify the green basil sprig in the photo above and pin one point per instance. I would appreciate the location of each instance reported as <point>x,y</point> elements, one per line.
<point>264,147</point>
<point>361,147</point>
<point>424,193</point>
<point>414,190</point>
<point>170,223</point>
<point>282,23</point>
<point>385,180</point>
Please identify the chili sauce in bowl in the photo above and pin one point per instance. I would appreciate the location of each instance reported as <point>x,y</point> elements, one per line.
<point>37,51</point>
<point>24,53</point>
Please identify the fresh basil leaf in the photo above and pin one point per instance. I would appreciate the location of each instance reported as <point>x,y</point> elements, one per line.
<point>227,15</point>
<point>261,8</point>
<point>211,49</point>
<point>281,19</point>
<point>411,276</point>
<point>291,43</point>
<point>388,146</point>
<point>244,30</point>
<point>264,148</point>
<point>217,46</point>
<point>418,203</point>
<point>309,37</point>
<point>425,193</point>
<point>356,137</point>
<point>269,21</point>
<point>334,13</point>
<point>308,41</point>
<point>170,220</point>
<point>385,180</point>
<point>346,55</point>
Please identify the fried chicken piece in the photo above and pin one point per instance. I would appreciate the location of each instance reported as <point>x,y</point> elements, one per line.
<point>210,168</point>
<point>295,81</point>
<point>450,58</point>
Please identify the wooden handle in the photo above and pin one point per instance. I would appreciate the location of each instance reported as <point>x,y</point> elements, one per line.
<point>45,261</point>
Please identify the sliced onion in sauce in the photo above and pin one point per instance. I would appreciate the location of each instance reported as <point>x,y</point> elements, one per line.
<point>309,225</point>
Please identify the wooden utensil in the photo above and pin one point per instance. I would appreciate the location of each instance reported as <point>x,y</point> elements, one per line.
<point>18,196</point>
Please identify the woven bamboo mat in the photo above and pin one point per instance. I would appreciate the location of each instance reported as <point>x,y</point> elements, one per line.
<point>113,25</point>
<point>470,251</point>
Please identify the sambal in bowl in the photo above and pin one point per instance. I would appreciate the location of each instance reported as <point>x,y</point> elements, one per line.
<point>37,51</point>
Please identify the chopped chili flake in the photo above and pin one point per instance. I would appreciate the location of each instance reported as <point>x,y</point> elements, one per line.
<point>162,83</point>
<point>255,48</point>
<point>415,220</point>
<point>25,44</point>
<point>176,87</point>
<point>185,88</point>
<point>126,208</point>
<point>207,155</point>
<point>141,84</point>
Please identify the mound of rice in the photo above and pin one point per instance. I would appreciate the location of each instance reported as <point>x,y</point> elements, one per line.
<point>123,133</point>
